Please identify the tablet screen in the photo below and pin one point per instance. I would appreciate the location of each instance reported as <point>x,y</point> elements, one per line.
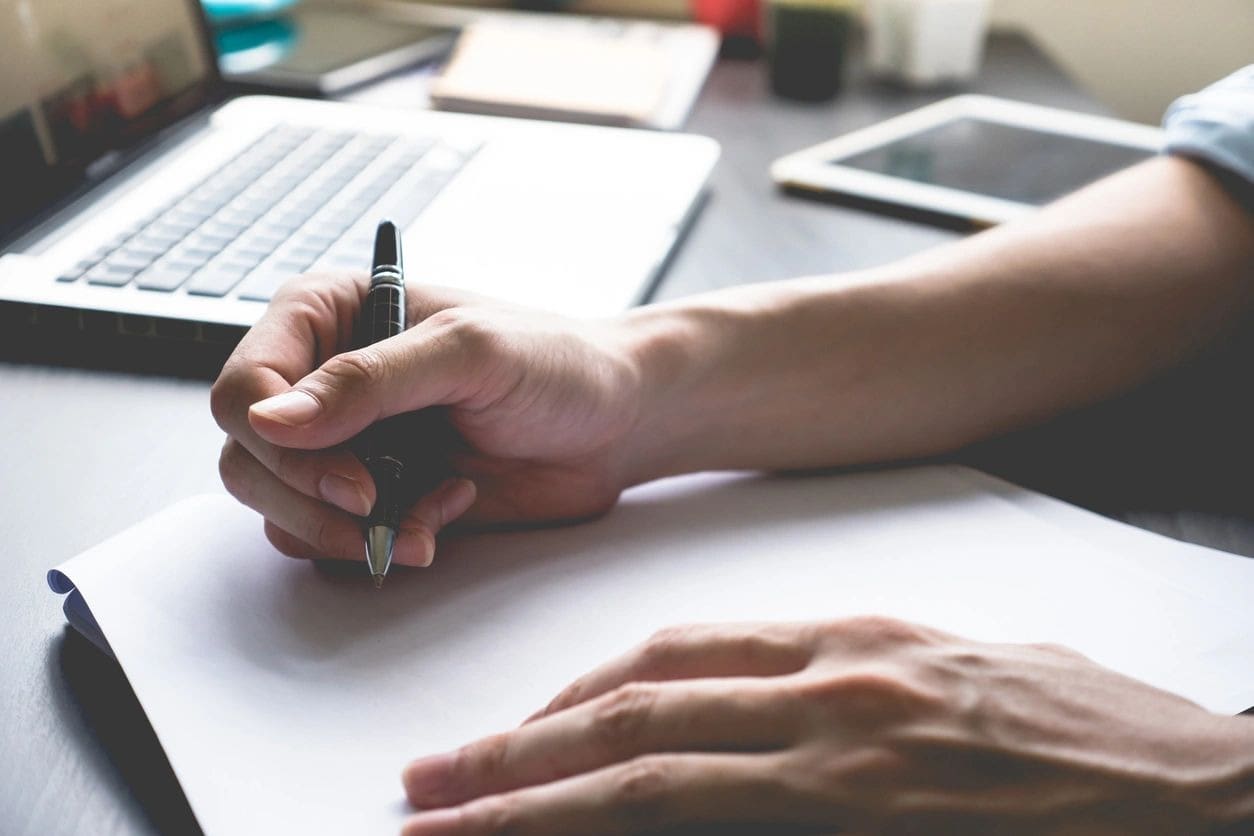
<point>998,160</point>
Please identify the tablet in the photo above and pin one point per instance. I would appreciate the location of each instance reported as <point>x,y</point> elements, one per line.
<point>968,160</point>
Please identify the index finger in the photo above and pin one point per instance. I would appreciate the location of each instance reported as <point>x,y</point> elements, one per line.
<point>742,715</point>
<point>308,320</point>
<point>697,651</point>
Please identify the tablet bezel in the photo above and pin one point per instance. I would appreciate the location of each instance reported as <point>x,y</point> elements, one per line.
<point>811,169</point>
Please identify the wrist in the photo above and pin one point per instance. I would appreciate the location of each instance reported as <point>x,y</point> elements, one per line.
<point>701,364</point>
<point>678,351</point>
<point>1223,791</point>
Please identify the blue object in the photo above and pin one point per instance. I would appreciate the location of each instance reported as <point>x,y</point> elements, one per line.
<point>226,11</point>
<point>1217,125</point>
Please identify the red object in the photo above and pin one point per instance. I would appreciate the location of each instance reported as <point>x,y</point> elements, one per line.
<point>731,17</point>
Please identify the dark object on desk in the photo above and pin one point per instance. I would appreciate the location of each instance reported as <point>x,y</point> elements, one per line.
<point>806,46</point>
<point>311,51</point>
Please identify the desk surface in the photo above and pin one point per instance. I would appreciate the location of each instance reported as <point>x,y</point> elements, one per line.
<point>76,754</point>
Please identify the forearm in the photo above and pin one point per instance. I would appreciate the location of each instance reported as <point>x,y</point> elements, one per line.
<point>1089,297</point>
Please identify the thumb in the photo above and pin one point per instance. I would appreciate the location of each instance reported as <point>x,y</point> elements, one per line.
<point>353,390</point>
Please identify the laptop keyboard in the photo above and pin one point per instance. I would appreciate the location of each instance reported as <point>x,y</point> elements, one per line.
<point>297,199</point>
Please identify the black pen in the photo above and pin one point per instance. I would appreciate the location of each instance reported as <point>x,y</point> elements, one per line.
<point>383,316</point>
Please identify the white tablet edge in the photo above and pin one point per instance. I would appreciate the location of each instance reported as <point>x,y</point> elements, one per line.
<point>811,168</point>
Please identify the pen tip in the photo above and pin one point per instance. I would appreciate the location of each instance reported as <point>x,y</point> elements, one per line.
<point>378,581</point>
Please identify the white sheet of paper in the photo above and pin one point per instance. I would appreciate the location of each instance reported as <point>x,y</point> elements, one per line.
<point>288,698</point>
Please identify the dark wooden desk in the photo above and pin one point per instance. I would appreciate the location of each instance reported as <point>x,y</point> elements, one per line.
<point>108,449</point>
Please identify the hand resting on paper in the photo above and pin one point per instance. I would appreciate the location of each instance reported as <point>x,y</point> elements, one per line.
<point>862,726</point>
<point>538,405</point>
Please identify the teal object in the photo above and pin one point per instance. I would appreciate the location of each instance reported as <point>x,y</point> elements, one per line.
<point>254,45</point>
<point>226,11</point>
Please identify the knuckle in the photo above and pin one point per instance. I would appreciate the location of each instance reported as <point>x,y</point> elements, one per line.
<point>324,539</point>
<point>284,466</point>
<point>471,333</point>
<point>281,541</point>
<point>640,791</point>
<point>230,469</point>
<point>622,713</point>
<point>664,646</point>
<point>482,760</point>
<point>445,319</point>
<point>877,631</point>
<point>1055,649</point>
<point>866,696</point>
<point>365,367</point>
<point>224,397</point>
<point>570,695</point>
<point>498,815</point>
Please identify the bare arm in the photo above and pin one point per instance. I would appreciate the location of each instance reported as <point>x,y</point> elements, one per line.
<point>556,417</point>
<point>1087,298</point>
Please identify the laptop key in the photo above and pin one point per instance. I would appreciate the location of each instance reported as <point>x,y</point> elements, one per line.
<point>292,266</point>
<point>187,217</point>
<point>165,277</point>
<point>237,259</point>
<point>208,240</point>
<point>180,262</point>
<point>129,262</point>
<point>103,274</point>
<point>151,242</point>
<point>262,285</point>
<point>215,280</point>
<point>251,251</point>
<point>76,272</point>
<point>167,227</point>
<point>194,250</point>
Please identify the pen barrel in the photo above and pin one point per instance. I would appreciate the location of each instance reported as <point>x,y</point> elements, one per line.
<point>385,318</point>
<point>385,307</point>
<point>387,473</point>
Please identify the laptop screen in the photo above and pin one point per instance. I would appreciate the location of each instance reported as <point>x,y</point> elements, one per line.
<point>82,80</point>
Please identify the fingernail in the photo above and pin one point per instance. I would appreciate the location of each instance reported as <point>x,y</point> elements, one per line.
<point>434,823</point>
<point>294,408</point>
<point>427,780</point>
<point>427,545</point>
<point>346,493</point>
<point>460,496</point>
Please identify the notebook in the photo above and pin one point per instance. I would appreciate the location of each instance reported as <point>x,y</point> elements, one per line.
<point>288,698</point>
<point>600,71</point>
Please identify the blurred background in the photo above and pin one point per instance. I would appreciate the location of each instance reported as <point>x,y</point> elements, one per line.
<point>1135,56</point>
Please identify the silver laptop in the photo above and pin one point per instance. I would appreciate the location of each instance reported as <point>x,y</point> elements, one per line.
<point>133,202</point>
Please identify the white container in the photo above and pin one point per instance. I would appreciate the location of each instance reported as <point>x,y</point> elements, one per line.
<point>926,42</point>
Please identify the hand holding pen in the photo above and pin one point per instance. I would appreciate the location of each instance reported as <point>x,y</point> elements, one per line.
<point>539,408</point>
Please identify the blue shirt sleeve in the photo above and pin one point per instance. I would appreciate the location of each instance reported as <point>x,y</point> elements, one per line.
<point>1216,125</point>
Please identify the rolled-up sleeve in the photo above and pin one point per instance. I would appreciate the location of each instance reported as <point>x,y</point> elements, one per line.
<point>1216,125</point>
